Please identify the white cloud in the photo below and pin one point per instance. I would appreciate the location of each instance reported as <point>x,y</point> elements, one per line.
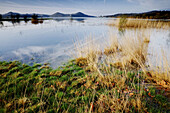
<point>29,50</point>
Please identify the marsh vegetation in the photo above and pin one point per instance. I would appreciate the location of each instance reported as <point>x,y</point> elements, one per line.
<point>140,23</point>
<point>113,75</point>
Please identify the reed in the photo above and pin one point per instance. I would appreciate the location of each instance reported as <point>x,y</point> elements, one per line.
<point>89,50</point>
<point>110,76</point>
<point>139,23</point>
<point>121,69</point>
<point>128,53</point>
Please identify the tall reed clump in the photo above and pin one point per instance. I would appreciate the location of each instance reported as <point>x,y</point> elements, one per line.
<point>134,51</point>
<point>112,45</point>
<point>139,23</point>
<point>88,52</point>
<point>128,52</point>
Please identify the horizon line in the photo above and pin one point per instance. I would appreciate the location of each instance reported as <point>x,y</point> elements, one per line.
<point>86,13</point>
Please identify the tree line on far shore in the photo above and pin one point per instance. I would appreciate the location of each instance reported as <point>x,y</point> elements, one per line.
<point>18,17</point>
<point>145,15</point>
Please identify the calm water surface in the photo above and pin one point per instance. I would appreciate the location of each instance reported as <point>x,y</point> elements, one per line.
<point>53,40</point>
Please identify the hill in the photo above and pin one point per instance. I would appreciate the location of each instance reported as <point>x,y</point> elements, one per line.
<point>9,14</point>
<point>78,14</point>
<point>57,14</point>
<point>150,15</point>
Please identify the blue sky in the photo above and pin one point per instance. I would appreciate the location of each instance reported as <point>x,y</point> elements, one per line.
<point>93,7</point>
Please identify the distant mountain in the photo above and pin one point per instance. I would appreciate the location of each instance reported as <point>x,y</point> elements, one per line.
<point>150,14</point>
<point>79,14</point>
<point>58,14</point>
<point>8,15</point>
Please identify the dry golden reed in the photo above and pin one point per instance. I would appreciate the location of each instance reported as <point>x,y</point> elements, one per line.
<point>128,53</point>
<point>139,23</point>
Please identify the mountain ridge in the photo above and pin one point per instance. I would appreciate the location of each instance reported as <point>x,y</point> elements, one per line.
<point>57,14</point>
<point>155,14</point>
<point>78,14</point>
<point>9,14</point>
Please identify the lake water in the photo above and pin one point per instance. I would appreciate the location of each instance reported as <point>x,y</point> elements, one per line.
<point>53,40</point>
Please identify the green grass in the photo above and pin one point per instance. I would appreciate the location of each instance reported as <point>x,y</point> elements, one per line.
<point>70,88</point>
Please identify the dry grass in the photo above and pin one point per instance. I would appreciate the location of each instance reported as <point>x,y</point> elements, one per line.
<point>89,50</point>
<point>112,46</point>
<point>126,54</point>
<point>134,51</point>
<point>130,51</point>
<point>139,23</point>
<point>119,104</point>
<point>116,96</point>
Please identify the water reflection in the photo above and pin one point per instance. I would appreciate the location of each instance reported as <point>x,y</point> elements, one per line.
<point>26,21</point>
<point>121,31</point>
<point>52,40</point>
<point>168,40</point>
<point>70,19</point>
<point>15,22</point>
<point>80,20</point>
<point>49,41</point>
<point>36,21</point>
<point>56,55</point>
<point>59,19</point>
<point>1,24</point>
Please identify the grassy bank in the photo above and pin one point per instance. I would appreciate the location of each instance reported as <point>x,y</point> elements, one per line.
<point>76,88</point>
